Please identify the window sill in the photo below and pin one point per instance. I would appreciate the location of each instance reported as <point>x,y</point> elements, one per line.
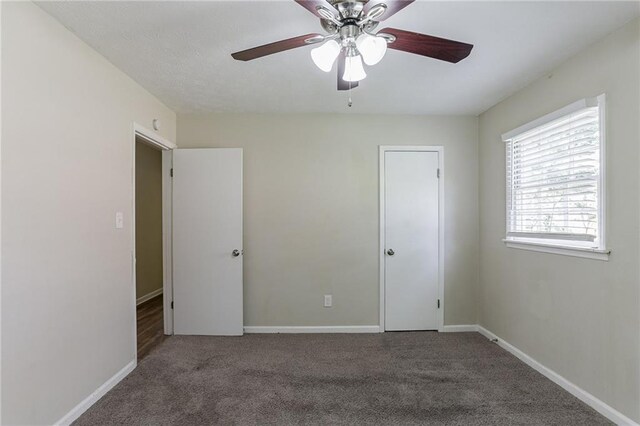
<point>585,253</point>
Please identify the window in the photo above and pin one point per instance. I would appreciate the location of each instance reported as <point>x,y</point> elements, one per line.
<point>555,195</point>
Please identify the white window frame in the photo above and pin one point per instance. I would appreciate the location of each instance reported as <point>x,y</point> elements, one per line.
<point>601,252</point>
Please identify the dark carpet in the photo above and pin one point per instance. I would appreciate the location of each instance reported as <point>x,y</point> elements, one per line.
<point>391,379</point>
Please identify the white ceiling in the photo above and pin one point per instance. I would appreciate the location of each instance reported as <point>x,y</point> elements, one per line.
<point>180,52</point>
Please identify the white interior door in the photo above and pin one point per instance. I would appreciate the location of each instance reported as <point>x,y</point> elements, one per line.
<point>411,239</point>
<point>207,241</point>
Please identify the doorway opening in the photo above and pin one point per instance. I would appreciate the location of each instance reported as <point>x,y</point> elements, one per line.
<point>148,234</point>
<point>151,240</point>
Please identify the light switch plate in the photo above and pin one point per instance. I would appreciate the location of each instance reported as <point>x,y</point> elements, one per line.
<point>119,220</point>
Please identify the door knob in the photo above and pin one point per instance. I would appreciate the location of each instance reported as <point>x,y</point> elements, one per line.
<point>390,252</point>
<point>235,253</point>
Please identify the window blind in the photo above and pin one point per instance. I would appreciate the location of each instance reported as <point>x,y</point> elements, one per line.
<point>553,178</point>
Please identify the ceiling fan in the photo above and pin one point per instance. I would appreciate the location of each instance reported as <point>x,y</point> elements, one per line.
<point>350,38</point>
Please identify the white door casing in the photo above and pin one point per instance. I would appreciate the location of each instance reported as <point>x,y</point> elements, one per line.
<point>166,146</point>
<point>207,241</point>
<point>411,238</point>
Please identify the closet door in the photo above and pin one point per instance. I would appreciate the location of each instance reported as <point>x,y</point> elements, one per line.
<point>411,239</point>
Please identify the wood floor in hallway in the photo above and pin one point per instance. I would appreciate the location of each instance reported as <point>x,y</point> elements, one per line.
<point>150,326</point>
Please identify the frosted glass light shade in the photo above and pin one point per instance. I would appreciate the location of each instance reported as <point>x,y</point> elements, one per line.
<point>353,69</point>
<point>325,55</point>
<point>371,48</point>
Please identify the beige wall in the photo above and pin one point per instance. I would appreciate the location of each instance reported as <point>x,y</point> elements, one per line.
<point>68,300</point>
<point>579,317</point>
<point>148,219</point>
<point>311,210</point>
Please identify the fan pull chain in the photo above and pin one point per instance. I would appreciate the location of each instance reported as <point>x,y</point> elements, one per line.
<point>350,103</point>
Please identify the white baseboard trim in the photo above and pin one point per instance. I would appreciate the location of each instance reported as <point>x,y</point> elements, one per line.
<point>460,328</point>
<point>149,296</point>
<point>319,329</point>
<point>584,396</point>
<point>77,411</point>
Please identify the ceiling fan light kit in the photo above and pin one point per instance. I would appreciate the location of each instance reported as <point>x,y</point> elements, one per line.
<point>372,48</point>
<point>325,55</point>
<point>353,69</point>
<point>350,39</point>
<point>353,40</point>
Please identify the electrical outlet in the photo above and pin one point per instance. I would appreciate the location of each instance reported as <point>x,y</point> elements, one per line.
<point>327,301</point>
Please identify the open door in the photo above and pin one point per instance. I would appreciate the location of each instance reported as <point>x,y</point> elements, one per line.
<point>207,241</point>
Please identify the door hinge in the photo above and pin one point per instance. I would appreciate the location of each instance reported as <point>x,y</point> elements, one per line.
<point>171,172</point>
<point>437,173</point>
<point>172,304</point>
<point>438,303</point>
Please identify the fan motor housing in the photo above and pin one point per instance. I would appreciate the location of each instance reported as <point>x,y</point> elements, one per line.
<point>350,30</point>
<point>349,9</point>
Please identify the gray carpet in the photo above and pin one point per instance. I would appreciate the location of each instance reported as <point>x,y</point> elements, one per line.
<point>391,378</point>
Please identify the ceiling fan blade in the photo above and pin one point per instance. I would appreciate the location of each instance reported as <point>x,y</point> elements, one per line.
<point>311,5</point>
<point>271,48</point>
<point>342,84</point>
<point>393,7</point>
<point>426,45</point>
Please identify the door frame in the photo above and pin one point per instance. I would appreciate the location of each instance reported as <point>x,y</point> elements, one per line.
<point>412,148</point>
<point>166,146</point>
